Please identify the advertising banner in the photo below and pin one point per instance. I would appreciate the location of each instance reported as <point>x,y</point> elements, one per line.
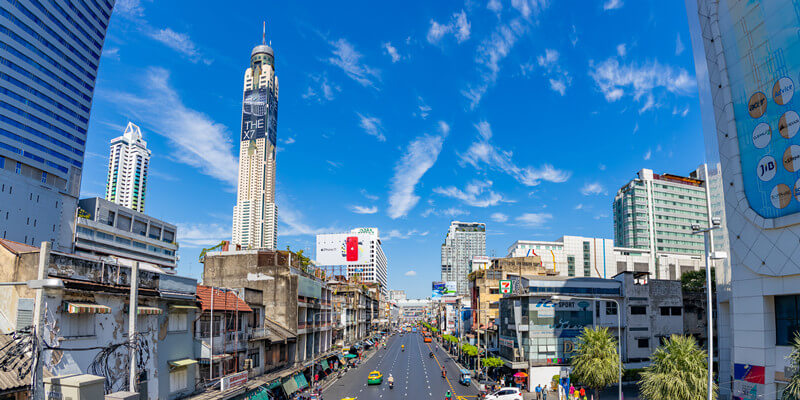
<point>343,249</point>
<point>254,114</point>
<point>748,381</point>
<point>762,55</point>
<point>450,288</point>
<point>437,290</point>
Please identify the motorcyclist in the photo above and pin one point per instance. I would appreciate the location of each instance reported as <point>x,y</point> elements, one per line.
<point>430,354</point>
<point>448,395</point>
<point>402,347</point>
<point>391,380</point>
<point>444,373</point>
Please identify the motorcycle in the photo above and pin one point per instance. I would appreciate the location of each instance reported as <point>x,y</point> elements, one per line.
<point>430,355</point>
<point>391,385</point>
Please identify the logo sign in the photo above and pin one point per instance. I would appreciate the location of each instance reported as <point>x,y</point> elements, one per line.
<point>505,287</point>
<point>233,380</point>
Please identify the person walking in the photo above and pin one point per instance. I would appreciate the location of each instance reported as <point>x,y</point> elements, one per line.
<point>538,392</point>
<point>583,393</point>
<point>571,392</point>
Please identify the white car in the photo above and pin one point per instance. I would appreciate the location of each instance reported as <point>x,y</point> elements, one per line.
<point>506,393</point>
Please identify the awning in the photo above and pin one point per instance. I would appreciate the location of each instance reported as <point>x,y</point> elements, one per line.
<point>302,383</point>
<point>290,386</point>
<point>87,308</point>
<point>142,310</point>
<point>324,364</point>
<point>274,384</point>
<point>182,363</point>
<point>180,307</point>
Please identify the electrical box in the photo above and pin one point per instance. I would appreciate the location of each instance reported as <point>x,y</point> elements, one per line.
<point>74,387</point>
<point>122,396</point>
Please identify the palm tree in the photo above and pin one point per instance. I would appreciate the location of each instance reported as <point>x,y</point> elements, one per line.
<point>678,371</point>
<point>792,390</point>
<point>596,361</point>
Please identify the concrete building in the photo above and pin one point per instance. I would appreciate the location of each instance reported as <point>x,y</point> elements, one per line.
<point>413,310</point>
<point>221,345</point>
<point>48,73</point>
<point>397,295</point>
<point>294,295</point>
<point>255,215</point>
<point>354,307</point>
<point>92,311</point>
<point>109,230</point>
<point>656,213</point>
<point>128,163</point>
<point>548,329</point>
<point>750,129</point>
<point>464,240</point>
<point>357,255</point>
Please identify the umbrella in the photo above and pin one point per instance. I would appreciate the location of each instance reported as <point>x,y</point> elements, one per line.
<point>520,375</point>
<point>350,356</point>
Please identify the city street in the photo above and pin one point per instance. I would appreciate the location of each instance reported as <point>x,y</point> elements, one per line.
<point>416,375</point>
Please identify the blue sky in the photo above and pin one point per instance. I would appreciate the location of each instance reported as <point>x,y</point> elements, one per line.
<point>524,114</point>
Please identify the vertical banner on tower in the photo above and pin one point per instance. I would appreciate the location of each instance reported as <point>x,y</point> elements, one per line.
<point>254,114</point>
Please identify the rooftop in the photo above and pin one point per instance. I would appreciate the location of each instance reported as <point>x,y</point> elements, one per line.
<point>17,247</point>
<point>224,300</point>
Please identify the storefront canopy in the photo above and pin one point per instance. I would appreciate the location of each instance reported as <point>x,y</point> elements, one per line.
<point>142,310</point>
<point>182,363</point>
<point>87,308</point>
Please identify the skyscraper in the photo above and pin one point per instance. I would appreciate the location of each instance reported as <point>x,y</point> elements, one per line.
<point>48,66</point>
<point>255,216</point>
<point>463,241</point>
<point>128,161</point>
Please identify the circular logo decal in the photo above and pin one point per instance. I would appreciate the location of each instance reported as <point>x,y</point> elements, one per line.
<point>797,190</point>
<point>761,135</point>
<point>757,105</point>
<point>766,168</point>
<point>781,196</point>
<point>782,91</point>
<point>791,158</point>
<point>788,124</point>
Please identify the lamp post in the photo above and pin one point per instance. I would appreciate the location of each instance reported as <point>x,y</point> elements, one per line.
<point>619,329</point>
<point>710,255</point>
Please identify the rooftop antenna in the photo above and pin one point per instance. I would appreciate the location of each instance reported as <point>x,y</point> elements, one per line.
<point>264,33</point>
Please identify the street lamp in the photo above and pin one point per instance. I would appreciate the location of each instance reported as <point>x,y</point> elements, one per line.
<point>710,255</point>
<point>619,329</point>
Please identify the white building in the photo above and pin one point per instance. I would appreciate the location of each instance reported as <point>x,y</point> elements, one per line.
<point>355,254</point>
<point>747,55</point>
<point>463,241</point>
<point>255,215</point>
<point>128,161</point>
<point>48,74</point>
<point>596,257</point>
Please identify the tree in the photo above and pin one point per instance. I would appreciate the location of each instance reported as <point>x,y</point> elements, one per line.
<point>596,361</point>
<point>491,362</point>
<point>792,390</point>
<point>678,371</point>
<point>695,281</point>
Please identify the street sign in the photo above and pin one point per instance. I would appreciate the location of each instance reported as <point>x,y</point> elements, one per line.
<point>505,287</point>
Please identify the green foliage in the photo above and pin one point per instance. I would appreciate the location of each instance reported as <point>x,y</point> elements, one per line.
<point>678,371</point>
<point>450,338</point>
<point>555,380</point>
<point>792,390</point>
<point>469,350</point>
<point>304,261</point>
<point>492,362</point>
<point>632,375</point>
<point>695,281</point>
<point>596,362</point>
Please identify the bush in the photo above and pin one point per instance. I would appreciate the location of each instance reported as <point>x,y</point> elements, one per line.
<point>631,375</point>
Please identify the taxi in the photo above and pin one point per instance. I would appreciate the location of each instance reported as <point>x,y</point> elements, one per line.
<point>374,378</point>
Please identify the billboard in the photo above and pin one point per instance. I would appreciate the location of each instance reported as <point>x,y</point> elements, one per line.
<point>437,290</point>
<point>344,249</point>
<point>762,56</point>
<point>450,288</point>
<point>259,114</point>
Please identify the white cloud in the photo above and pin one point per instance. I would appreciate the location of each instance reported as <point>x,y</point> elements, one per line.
<point>495,5</point>
<point>648,154</point>
<point>346,57</point>
<point>420,156</point>
<point>684,112</point>
<point>396,234</point>
<point>473,194</point>
<point>333,164</point>
<point>614,79</point>
<point>612,4</point>
<point>558,78</point>
<point>648,105</point>
<point>548,59</point>
<point>534,219</point>
<point>364,210</point>
<point>622,49</point>
<point>411,273</point>
<point>324,91</point>
<point>499,217</point>
<point>558,86</point>
<point>579,207</point>
<point>202,235</point>
<point>179,42</point>
<point>289,140</point>
<point>424,109</point>
<point>601,216</point>
<point>529,7</point>
<point>591,188</point>
<point>602,167</point>
<point>573,37</point>
<point>458,25</point>
<point>129,8</point>
<point>293,221</point>
<point>483,153</point>
<point>448,212</point>
<point>678,45</point>
<point>636,128</point>
<point>368,196</point>
<point>372,126</point>
<point>112,53</point>
<point>391,51</point>
<point>197,140</point>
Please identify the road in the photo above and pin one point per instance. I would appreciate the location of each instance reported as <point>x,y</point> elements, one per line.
<point>416,375</point>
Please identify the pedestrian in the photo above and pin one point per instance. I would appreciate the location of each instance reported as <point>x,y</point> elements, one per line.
<point>571,391</point>
<point>583,393</point>
<point>538,392</point>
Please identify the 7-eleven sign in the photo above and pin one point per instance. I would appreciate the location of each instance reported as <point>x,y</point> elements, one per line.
<point>505,287</point>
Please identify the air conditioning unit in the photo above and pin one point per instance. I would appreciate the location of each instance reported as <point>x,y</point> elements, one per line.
<point>74,387</point>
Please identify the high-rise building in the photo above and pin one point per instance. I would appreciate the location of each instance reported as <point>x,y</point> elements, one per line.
<point>464,240</point>
<point>747,57</point>
<point>128,161</point>
<point>656,213</point>
<point>255,216</point>
<point>48,67</point>
<point>354,255</point>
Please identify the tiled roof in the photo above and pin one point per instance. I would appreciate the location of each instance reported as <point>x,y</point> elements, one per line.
<point>17,247</point>
<point>223,300</point>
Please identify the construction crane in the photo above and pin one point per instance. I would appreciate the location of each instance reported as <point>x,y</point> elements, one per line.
<point>224,244</point>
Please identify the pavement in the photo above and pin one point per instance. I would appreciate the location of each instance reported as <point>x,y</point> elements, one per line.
<point>416,375</point>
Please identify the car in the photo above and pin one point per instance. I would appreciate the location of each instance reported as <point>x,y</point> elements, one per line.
<point>427,339</point>
<point>506,393</point>
<point>374,378</point>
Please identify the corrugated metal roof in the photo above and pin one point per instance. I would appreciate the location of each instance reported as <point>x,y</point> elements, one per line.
<point>10,380</point>
<point>17,247</point>
<point>223,300</point>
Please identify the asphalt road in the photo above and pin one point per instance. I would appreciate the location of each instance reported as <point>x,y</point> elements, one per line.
<point>416,375</point>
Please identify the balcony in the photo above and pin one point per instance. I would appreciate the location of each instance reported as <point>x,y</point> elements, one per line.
<point>261,333</point>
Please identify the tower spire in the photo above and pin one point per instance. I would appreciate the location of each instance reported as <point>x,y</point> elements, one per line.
<point>264,33</point>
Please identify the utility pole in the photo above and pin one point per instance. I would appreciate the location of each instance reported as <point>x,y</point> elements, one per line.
<point>211,339</point>
<point>38,324</point>
<point>132,314</point>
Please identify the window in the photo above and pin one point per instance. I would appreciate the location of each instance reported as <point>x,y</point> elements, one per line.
<point>611,308</point>
<point>643,343</point>
<point>787,319</point>
<point>177,321</point>
<point>256,359</point>
<point>674,311</point>
<point>77,325</point>
<point>178,380</point>
<point>638,310</point>
<point>494,291</point>
<point>571,265</point>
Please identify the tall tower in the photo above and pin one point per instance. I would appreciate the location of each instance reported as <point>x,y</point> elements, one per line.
<point>464,240</point>
<point>255,216</point>
<point>128,160</point>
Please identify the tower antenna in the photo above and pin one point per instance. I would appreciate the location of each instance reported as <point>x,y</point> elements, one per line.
<point>264,33</point>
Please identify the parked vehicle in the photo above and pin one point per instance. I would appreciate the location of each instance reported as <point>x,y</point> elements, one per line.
<point>465,378</point>
<point>506,393</point>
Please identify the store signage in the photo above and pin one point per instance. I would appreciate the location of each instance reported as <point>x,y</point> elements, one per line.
<point>505,287</point>
<point>233,380</point>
